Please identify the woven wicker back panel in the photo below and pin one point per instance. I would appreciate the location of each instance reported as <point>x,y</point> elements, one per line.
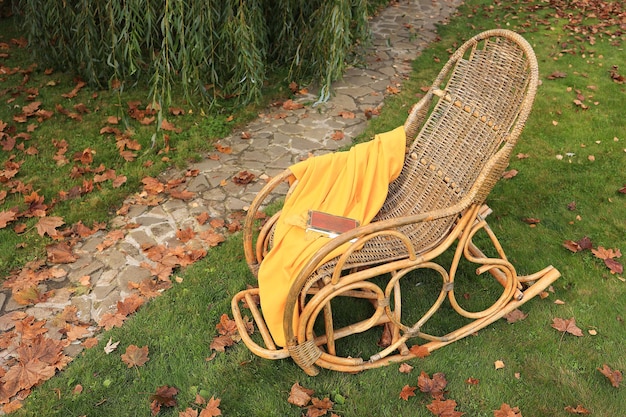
<point>485,92</point>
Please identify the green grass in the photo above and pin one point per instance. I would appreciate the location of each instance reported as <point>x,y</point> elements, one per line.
<point>545,371</point>
<point>199,128</point>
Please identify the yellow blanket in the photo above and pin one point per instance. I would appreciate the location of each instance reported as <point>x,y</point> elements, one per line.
<point>352,184</point>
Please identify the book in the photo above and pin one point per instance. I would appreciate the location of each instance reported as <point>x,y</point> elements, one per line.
<point>329,224</point>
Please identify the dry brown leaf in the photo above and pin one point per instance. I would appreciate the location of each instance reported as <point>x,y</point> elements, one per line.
<point>405,368</point>
<point>48,225</point>
<point>614,376</point>
<point>299,395</point>
<point>419,351</point>
<point>164,396</point>
<point>135,356</point>
<point>510,174</point>
<point>578,410</point>
<point>212,408</point>
<point>292,105</point>
<point>515,315</point>
<point>110,320</point>
<point>506,410</point>
<point>337,135</point>
<point>567,326</point>
<point>407,392</point>
<point>444,408</point>
<point>434,386</point>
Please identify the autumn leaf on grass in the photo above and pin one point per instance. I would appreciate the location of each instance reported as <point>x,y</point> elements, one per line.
<point>165,125</point>
<point>407,392</point>
<point>567,326</point>
<point>608,256</point>
<point>444,408</point>
<point>582,244</point>
<point>319,407</point>
<point>110,346</point>
<point>510,174</point>
<point>299,395</point>
<point>614,376</point>
<point>515,315</point>
<point>7,217</point>
<point>48,225</point>
<point>164,396</point>
<point>578,410</point>
<point>434,386</point>
<point>75,91</point>
<point>212,408</point>
<point>135,356</point>
<point>507,411</point>
<point>405,368</point>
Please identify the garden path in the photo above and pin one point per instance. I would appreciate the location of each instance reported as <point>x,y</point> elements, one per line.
<point>275,140</point>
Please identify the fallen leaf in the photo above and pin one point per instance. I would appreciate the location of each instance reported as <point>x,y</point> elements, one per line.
<point>111,320</point>
<point>135,356</point>
<point>499,364</point>
<point>292,105</point>
<point>419,351</point>
<point>407,392</point>
<point>188,412</point>
<point>556,74</point>
<point>60,253</point>
<point>515,315</point>
<point>347,114</point>
<point>472,381</point>
<point>110,346</point>
<point>48,225</point>
<point>7,217</point>
<point>510,174</point>
<point>435,386</point>
<point>319,407</point>
<point>614,376</point>
<point>506,410</point>
<point>444,408</point>
<point>243,178</point>
<point>567,326</point>
<point>337,135</point>
<point>299,395</point>
<point>212,408</point>
<point>164,396</point>
<point>578,410</point>
<point>405,368</point>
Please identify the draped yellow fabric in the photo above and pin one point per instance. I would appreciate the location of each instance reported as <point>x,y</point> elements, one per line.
<point>352,184</point>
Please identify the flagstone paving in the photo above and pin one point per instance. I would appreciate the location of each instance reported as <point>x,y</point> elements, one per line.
<point>271,143</point>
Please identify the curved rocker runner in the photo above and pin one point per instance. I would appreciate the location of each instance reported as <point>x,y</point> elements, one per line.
<point>460,137</point>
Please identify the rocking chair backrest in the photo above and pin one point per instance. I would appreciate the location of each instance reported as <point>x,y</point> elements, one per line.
<point>485,93</point>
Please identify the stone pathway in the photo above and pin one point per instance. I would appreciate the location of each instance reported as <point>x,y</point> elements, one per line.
<point>277,139</point>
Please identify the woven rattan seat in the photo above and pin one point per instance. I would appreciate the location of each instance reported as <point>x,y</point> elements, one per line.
<point>460,137</point>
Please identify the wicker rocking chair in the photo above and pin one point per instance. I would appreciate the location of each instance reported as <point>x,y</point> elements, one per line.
<point>460,137</point>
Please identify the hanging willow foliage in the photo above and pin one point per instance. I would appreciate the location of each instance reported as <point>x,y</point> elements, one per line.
<point>209,48</point>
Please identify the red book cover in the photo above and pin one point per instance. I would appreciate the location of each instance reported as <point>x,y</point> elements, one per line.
<point>330,224</point>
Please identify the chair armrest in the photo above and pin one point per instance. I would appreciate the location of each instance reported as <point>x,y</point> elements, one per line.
<point>251,216</point>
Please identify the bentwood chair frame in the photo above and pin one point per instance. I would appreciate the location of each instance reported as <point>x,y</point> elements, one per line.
<point>460,137</point>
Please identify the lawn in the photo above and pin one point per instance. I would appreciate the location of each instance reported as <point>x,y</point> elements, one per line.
<point>569,185</point>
